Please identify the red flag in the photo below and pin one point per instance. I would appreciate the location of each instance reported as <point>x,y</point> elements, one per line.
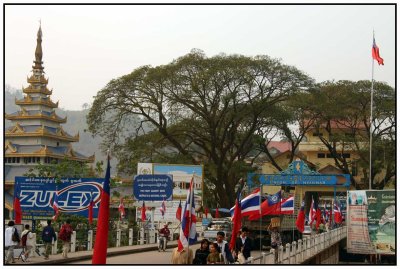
<point>17,207</point>
<point>216,213</point>
<point>337,213</point>
<point>91,204</point>
<point>301,218</point>
<point>55,206</point>
<point>121,209</point>
<point>312,212</point>
<point>178,213</point>
<point>101,241</point>
<point>237,216</point>
<point>163,208</point>
<point>375,53</point>
<point>206,211</point>
<point>318,218</point>
<point>143,212</point>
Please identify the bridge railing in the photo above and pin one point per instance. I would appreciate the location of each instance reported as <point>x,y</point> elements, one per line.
<point>301,250</point>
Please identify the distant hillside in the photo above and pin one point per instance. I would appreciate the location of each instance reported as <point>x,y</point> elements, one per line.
<point>76,122</point>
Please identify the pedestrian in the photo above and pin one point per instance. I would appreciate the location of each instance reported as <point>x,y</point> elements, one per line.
<point>215,257</point>
<point>27,242</point>
<point>200,257</point>
<point>164,234</point>
<point>11,238</point>
<point>48,235</point>
<point>224,248</point>
<point>65,236</point>
<point>243,244</point>
<point>276,240</point>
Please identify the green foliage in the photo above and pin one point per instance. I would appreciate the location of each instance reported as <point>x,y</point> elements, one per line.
<point>195,110</point>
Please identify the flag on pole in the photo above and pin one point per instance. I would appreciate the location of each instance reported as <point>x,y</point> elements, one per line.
<point>216,213</point>
<point>301,218</point>
<point>17,206</point>
<point>312,212</point>
<point>375,53</point>
<point>143,217</point>
<point>91,204</point>
<point>55,206</point>
<point>121,209</point>
<point>337,213</point>
<point>237,216</point>
<point>271,206</point>
<point>206,211</point>
<point>163,208</point>
<point>287,207</point>
<point>178,213</point>
<point>249,205</point>
<point>187,234</point>
<point>101,241</point>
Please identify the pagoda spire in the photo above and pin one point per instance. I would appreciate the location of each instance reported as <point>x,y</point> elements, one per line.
<point>38,52</point>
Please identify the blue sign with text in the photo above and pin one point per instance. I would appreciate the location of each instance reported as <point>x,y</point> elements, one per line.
<point>36,195</point>
<point>152,187</point>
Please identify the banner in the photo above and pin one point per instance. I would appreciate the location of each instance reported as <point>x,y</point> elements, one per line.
<point>152,187</point>
<point>74,195</point>
<point>371,222</point>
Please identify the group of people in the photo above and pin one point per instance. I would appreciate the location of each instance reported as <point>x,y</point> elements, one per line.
<point>27,240</point>
<point>218,252</point>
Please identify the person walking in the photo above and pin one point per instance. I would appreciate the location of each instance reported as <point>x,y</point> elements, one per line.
<point>215,257</point>
<point>243,244</point>
<point>201,254</point>
<point>224,248</point>
<point>163,237</point>
<point>48,235</point>
<point>27,242</point>
<point>11,238</point>
<point>276,240</point>
<point>65,236</point>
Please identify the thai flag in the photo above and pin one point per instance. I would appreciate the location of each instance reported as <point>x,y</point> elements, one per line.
<point>337,213</point>
<point>17,206</point>
<point>91,205</point>
<point>101,241</point>
<point>121,209</point>
<point>287,206</point>
<point>249,205</point>
<point>163,208</point>
<point>55,206</point>
<point>375,53</point>
<point>188,235</point>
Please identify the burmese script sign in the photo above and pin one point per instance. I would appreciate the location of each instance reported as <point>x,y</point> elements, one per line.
<point>371,222</point>
<point>152,187</point>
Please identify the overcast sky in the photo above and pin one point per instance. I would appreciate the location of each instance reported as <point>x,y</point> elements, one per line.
<point>84,47</point>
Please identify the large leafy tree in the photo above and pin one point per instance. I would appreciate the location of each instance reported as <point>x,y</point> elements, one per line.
<point>195,110</point>
<point>345,106</point>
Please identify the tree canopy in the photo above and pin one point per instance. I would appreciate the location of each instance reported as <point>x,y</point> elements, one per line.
<point>196,110</point>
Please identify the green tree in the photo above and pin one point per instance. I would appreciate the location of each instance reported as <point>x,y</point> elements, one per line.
<point>65,168</point>
<point>346,104</point>
<point>194,110</point>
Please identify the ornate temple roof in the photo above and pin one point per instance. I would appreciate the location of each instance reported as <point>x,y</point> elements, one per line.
<point>36,100</point>
<point>40,130</point>
<point>35,114</point>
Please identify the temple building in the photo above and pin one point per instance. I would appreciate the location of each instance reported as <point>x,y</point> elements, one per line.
<point>36,135</point>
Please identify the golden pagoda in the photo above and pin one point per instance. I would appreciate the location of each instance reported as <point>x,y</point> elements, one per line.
<point>36,134</point>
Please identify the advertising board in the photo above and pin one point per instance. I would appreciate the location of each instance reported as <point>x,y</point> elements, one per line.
<point>74,195</point>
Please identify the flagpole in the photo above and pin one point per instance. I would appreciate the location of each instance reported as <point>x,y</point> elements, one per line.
<point>371,120</point>
<point>190,216</point>
<point>260,217</point>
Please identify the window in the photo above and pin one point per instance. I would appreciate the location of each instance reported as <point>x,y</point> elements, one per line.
<point>346,155</point>
<point>58,143</point>
<point>320,155</point>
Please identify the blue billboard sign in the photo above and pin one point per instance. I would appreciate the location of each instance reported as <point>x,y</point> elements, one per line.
<point>152,187</point>
<point>74,195</point>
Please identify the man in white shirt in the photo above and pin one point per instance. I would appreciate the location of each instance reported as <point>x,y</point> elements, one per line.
<point>224,247</point>
<point>9,243</point>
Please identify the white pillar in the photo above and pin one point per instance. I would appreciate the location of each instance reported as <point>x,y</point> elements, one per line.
<point>54,245</point>
<point>152,236</point>
<point>33,251</point>
<point>280,254</point>
<point>73,241</point>
<point>300,251</point>
<point>130,241</point>
<point>271,257</point>
<point>90,240</point>
<point>118,242</point>
<point>141,236</point>
<point>287,254</point>
<point>263,256</point>
<point>293,253</point>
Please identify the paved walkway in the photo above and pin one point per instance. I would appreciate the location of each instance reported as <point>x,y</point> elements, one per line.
<point>85,255</point>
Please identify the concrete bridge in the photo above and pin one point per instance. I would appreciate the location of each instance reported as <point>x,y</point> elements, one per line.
<point>317,249</point>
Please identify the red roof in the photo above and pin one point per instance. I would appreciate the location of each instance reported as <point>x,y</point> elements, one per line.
<point>281,146</point>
